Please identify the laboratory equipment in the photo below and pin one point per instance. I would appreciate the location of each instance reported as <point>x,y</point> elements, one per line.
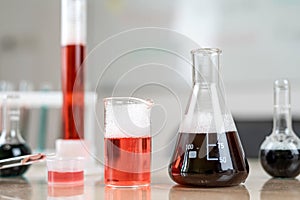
<point>280,151</point>
<point>11,142</point>
<point>127,141</point>
<point>44,112</point>
<point>64,170</point>
<point>25,86</point>
<point>21,160</point>
<point>208,151</point>
<point>73,42</point>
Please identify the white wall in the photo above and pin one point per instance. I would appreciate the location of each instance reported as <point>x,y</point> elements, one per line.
<point>260,42</point>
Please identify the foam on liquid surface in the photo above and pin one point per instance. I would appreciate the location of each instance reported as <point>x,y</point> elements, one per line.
<point>132,120</point>
<point>205,123</point>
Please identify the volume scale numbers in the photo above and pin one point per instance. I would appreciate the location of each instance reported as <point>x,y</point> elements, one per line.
<point>220,145</point>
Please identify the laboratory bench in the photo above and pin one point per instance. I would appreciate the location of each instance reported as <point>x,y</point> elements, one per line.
<point>257,186</point>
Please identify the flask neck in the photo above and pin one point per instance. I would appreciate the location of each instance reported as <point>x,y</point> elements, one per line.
<point>206,66</point>
<point>11,132</point>
<point>282,119</point>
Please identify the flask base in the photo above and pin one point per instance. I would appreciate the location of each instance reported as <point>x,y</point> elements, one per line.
<point>281,163</point>
<point>225,179</point>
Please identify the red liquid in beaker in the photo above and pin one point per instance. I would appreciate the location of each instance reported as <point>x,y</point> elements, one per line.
<point>127,161</point>
<point>65,177</point>
<point>73,91</point>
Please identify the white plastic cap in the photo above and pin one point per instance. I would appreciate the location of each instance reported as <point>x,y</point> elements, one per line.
<point>71,148</point>
<point>73,22</point>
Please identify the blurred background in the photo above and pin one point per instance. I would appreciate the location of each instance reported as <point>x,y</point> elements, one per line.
<point>260,42</point>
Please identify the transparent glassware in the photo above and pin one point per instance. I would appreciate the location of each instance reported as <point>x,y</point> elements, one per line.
<point>73,51</point>
<point>127,141</point>
<point>12,143</point>
<point>280,152</point>
<point>208,152</point>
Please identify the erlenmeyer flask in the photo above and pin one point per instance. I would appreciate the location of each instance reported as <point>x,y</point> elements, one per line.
<point>279,153</point>
<point>208,152</point>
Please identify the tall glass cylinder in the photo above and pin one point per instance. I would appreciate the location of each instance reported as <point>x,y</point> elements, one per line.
<point>73,44</point>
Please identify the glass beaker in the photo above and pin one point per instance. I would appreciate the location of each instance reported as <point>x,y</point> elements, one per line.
<point>208,152</point>
<point>127,141</point>
<point>280,152</point>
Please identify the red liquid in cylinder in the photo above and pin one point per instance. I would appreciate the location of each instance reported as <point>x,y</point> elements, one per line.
<point>73,100</point>
<point>65,177</point>
<point>127,161</point>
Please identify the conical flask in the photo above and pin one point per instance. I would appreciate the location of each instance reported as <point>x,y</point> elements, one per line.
<point>208,152</point>
<point>280,152</point>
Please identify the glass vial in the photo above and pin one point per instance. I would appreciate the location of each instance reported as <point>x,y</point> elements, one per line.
<point>208,152</point>
<point>279,153</point>
<point>12,143</point>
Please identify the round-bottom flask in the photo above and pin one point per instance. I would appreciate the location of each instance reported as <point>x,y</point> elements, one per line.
<point>11,142</point>
<point>280,152</point>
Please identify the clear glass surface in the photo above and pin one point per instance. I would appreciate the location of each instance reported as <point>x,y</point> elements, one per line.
<point>127,141</point>
<point>208,152</point>
<point>280,151</point>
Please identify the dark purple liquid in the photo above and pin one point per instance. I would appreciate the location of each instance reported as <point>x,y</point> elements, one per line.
<point>281,163</point>
<point>221,164</point>
<point>13,150</point>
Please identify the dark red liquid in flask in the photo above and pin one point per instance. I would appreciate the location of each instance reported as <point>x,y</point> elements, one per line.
<point>10,151</point>
<point>281,163</point>
<point>73,91</point>
<point>195,164</point>
<point>280,153</point>
<point>208,152</point>
<point>12,143</point>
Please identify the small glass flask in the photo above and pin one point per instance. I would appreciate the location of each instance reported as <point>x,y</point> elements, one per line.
<point>11,142</point>
<point>279,153</point>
